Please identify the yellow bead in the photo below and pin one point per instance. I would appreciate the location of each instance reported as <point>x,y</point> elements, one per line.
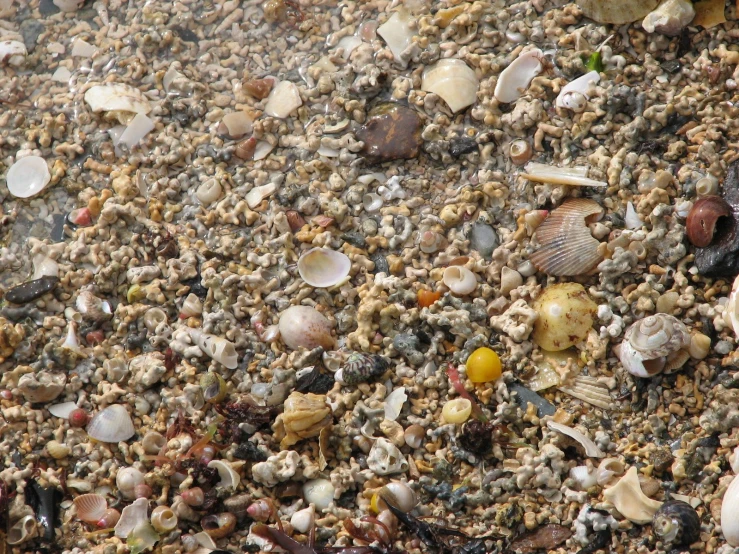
<point>375,503</point>
<point>483,366</point>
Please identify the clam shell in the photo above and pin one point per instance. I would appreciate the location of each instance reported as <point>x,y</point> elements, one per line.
<point>62,410</point>
<point>113,424</point>
<point>567,247</point>
<point>608,11</point>
<point>454,81</point>
<point>90,507</point>
<point>323,267</point>
<point>28,176</point>
<point>515,79</point>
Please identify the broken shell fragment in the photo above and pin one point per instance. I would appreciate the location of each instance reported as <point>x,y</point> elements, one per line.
<point>625,11</point>
<point>630,501</point>
<point>565,315</point>
<point>235,125</point>
<point>217,348</point>
<point>229,479</point>
<point>283,100</point>
<point>650,343</point>
<point>12,52</point>
<point>42,386</point>
<point>28,176</point>
<point>575,94</point>
<point>670,17</point>
<point>567,245</point>
<point>385,459</point>
<point>710,219</point>
<point>573,176</point>
<point>398,33</point>
<point>120,101</point>
<point>515,79</point>
<point>132,516</point>
<point>454,81</point>
<point>591,449</point>
<point>303,417</point>
<point>323,267</point>
<point>729,509</point>
<point>305,326</point>
<point>319,493</point>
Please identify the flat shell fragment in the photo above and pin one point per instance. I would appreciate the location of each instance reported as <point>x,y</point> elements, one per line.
<point>283,100</point>
<point>12,52</point>
<point>572,176</point>
<point>625,11</point>
<point>630,501</point>
<point>115,98</point>
<point>591,449</point>
<point>398,33</point>
<point>454,81</point>
<point>515,79</point>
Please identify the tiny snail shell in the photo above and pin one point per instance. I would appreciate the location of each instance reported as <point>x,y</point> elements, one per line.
<point>237,504</point>
<point>23,530</point>
<point>193,497</point>
<point>361,367</point>
<point>153,442</point>
<point>707,186</point>
<point>126,480</point>
<point>153,318</point>
<point>219,525</point>
<point>414,435</point>
<point>703,224</point>
<point>209,191</point>
<point>259,510</point>
<point>575,101</point>
<point>460,280</point>
<point>163,519</point>
<point>457,410</point>
<point>109,519</point>
<point>677,523</point>
<point>57,450</point>
<point>142,490</point>
<point>399,494</point>
<point>214,387</point>
<point>303,520</point>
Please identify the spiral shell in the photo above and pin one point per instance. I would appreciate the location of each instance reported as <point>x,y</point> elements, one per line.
<point>460,280</point>
<point>650,342</point>
<point>23,530</point>
<point>709,220</point>
<point>153,442</point>
<point>219,525</point>
<point>361,367</point>
<point>127,479</point>
<point>677,523</point>
<point>214,387</point>
<point>193,497</point>
<point>163,519</point>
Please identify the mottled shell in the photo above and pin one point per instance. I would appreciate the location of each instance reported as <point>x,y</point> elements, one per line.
<point>566,245</point>
<point>624,11</point>
<point>305,326</point>
<point>657,335</point>
<point>565,315</point>
<point>361,367</point>
<point>214,387</point>
<point>677,523</point>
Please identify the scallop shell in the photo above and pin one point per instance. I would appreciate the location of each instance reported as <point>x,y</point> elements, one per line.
<point>608,11</point>
<point>454,81</point>
<point>113,424</point>
<point>90,507</point>
<point>567,247</point>
<point>28,176</point>
<point>323,267</point>
<point>515,79</point>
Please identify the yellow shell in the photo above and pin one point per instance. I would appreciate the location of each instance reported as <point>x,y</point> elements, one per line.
<point>57,450</point>
<point>457,410</point>
<point>565,315</point>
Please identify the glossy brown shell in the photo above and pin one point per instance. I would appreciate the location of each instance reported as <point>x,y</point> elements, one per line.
<point>703,223</point>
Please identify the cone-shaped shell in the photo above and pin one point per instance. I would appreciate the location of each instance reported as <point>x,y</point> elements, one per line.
<point>323,267</point>
<point>113,424</point>
<point>608,11</point>
<point>454,81</point>
<point>567,247</point>
<point>90,507</point>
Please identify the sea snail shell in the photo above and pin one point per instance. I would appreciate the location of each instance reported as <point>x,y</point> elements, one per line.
<point>651,343</point>
<point>709,220</point>
<point>219,525</point>
<point>127,479</point>
<point>460,280</point>
<point>163,519</point>
<point>677,523</point>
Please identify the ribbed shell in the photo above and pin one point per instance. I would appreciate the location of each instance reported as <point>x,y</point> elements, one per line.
<point>657,335</point>
<point>567,247</point>
<point>608,11</point>
<point>113,424</point>
<point>90,507</point>
<point>361,367</point>
<point>590,390</point>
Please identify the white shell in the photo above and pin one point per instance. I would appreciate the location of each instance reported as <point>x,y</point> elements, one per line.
<point>209,191</point>
<point>138,128</point>
<point>255,196</point>
<point>584,476</point>
<point>631,219</point>
<point>575,94</point>
<point>394,403</point>
<point>236,125</point>
<point>12,52</point>
<point>117,97</point>
<point>573,176</point>
<point>62,410</point>
<point>454,81</point>
<point>44,266</point>
<point>652,338</point>
<point>515,79</point>
<point>28,176</point>
<point>398,33</point>
<point>43,386</point>
<point>591,449</point>
<point>303,520</point>
<point>205,540</point>
<point>192,305</point>
<point>283,100</point>
<point>670,17</point>
<point>131,517</point>
<point>113,424</point>
<point>90,507</point>
<point>630,501</point>
<point>127,479</point>
<point>68,5</point>
<point>323,267</point>
<point>305,326</point>
<point>371,202</point>
<point>401,495</point>
<point>608,469</point>
<point>229,478</point>
<point>459,279</point>
<point>23,530</point>
<point>218,348</point>
<point>349,43</point>
<point>385,459</point>
<point>319,492</point>
<point>729,509</point>
<point>731,311</point>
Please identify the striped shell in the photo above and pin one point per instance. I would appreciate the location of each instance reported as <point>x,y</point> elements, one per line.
<point>361,367</point>
<point>90,507</point>
<point>677,523</point>
<point>608,11</point>
<point>567,247</point>
<point>658,335</point>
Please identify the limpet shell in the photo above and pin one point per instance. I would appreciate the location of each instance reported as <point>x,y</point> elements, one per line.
<point>565,315</point>
<point>323,267</point>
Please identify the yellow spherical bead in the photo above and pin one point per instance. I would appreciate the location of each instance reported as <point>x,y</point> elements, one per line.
<point>483,366</point>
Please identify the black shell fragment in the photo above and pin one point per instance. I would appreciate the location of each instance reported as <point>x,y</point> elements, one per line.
<point>676,523</point>
<point>31,290</point>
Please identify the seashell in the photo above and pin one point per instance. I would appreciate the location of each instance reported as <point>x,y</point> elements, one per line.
<point>255,196</point>
<point>42,386</point>
<point>219,525</point>
<point>670,17</point>
<point>22,530</point>
<point>565,315</point>
<point>700,346</point>
<point>392,430</point>
<point>204,540</point>
<point>591,449</point>
<point>27,177</point>
<point>91,507</point>
<point>706,186</point>
<point>652,340</point>
<point>607,11</point>
<point>534,219</point>
<point>709,220</point>
<point>132,516</point>
<point>457,410</point>
<point>153,442</point>
<point>608,469</point>
<point>43,266</point>
<point>414,435</point>
<point>399,494</point>
<point>729,508</point>
<point>303,417</point>
<point>677,523</point>
<point>214,387</point>
<point>118,100</point>
<point>675,361</point>
<point>323,267</point>
<point>142,490</point>
<point>57,450</point>
<point>109,519</point>
<point>246,148</point>
<point>545,377</point>
<point>631,218</point>
<point>590,390</point>
<point>515,79</point>
<point>567,247</point>
<point>454,81</point>
<point>192,306</point>
<point>630,501</point>
<point>235,125</point>
<point>520,151</point>
<point>127,479</point>
<point>12,52</point>
<point>348,43</point>
<point>572,176</point>
<point>229,479</point>
<point>294,220</point>
<point>394,403</point>
<point>260,510</point>
<point>153,318</point>
<point>319,493</point>
<point>430,241</point>
<point>575,94</point>
<point>68,5</point>
<point>259,88</point>
<point>112,424</point>
<point>371,202</point>
<point>209,191</point>
<point>304,326</point>
<point>283,100</point>
<point>93,308</point>
<point>62,410</point>
<point>460,280</point>
<point>510,279</point>
<point>385,459</point>
<point>585,477</point>
<point>137,129</point>
<point>217,348</point>
<point>361,367</point>
<point>398,32</point>
<point>262,150</point>
<point>143,537</point>
<point>303,520</point>
<point>163,519</point>
<point>193,497</point>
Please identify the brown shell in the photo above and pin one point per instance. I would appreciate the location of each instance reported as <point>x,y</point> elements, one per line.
<point>610,11</point>
<point>567,247</point>
<point>702,223</point>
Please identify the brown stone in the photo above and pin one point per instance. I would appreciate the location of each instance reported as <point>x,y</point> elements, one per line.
<point>392,132</point>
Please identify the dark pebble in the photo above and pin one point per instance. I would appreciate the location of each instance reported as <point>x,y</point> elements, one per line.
<point>525,396</point>
<point>462,145</point>
<point>392,132</point>
<point>381,265</point>
<point>22,294</point>
<point>30,31</point>
<point>57,228</point>
<point>47,7</point>
<point>316,382</point>
<point>406,343</point>
<point>186,34</point>
<point>355,239</point>
<point>250,451</point>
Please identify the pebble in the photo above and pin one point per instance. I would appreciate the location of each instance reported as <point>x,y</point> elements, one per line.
<point>392,132</point>
<point>483,239</point>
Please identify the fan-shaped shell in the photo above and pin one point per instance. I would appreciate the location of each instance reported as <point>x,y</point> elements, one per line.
<point>454,81</point>
<point>567,247</point>
<point>28,176</point>
<point>323,267</point>
<point>113,424</point>
<point>608,11</point>
<point>90,507</point>
<point>658,335</point>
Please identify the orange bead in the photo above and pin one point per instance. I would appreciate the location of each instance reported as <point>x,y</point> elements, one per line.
<point>483,366</point>
<point>427,297</point>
